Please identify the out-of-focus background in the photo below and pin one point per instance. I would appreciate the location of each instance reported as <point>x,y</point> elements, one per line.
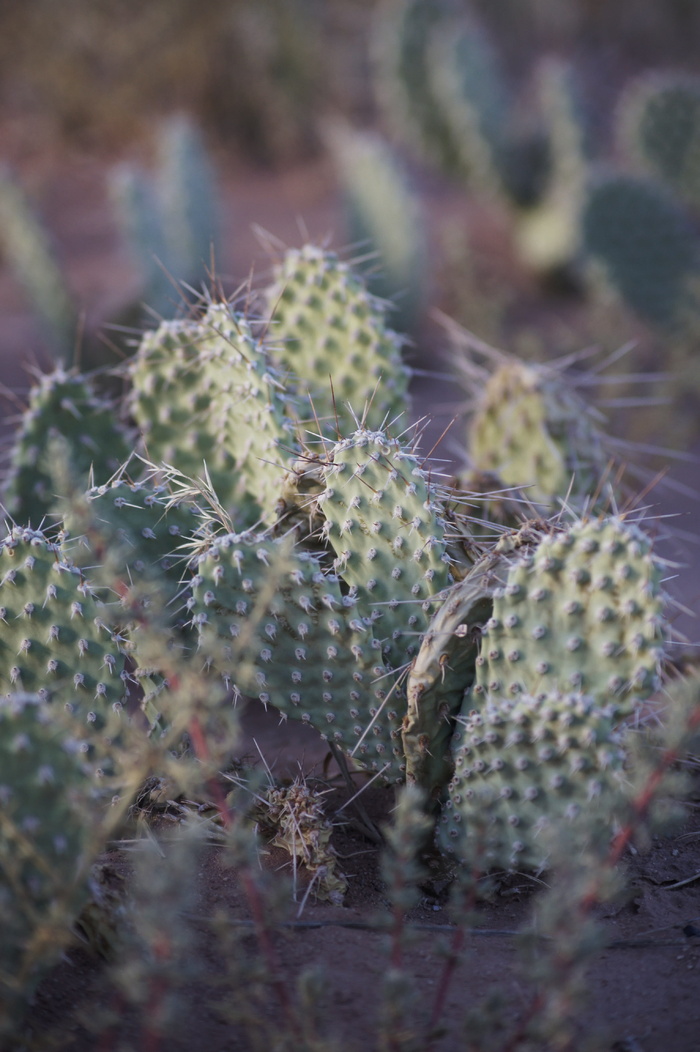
<point>529,167</point>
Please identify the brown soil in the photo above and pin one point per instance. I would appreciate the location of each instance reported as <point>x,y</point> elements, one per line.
<point>642,991</point>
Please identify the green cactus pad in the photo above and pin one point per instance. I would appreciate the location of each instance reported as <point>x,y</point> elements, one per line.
<point>45,792</point>
<point>205,393</point>
<point>277,626</point>
<point>63,404</point>
<point>383,216</point>
<point>644,242</point>
<point>385,524</point>
<point>26,248</point>
<point>532,429</point>
<point>333,341</point>
<point>139,519</point>
<point>443,669</point>
<point>548,228</point>
<point>169,218</point>
<point>522,766</point>
<point>659,124</point>
<point>401,32</point>
<point>53,636</point>
<point>469,89</point>
<point>582,611</point>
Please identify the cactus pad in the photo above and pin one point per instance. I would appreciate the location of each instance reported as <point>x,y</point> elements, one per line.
<point>659,124</point>
<point>140,520</point>
<point>278,627</point>
<point>384,522</point>
<point>53,639</point>
<point>333,339</point>
<point>61,404</point>
<point>582,611</point>
<point>644,242</point>
<point>523,764</point>
<point>44,792</point>
<point>210,381</point>
<point>532,429</point>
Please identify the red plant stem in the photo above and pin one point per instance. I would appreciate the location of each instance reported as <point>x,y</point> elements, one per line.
<point>450,965</point>
<point>446,976</point>
<point>252,892</point>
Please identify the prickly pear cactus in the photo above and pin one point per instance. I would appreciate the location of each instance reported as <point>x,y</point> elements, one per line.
<point>54,639</point>
<point>279,627</point>
<point>548,228</point>
<point>45,795</point>
<point>169,219</point>
<point>523,764</point>
<point>27,250</point>
<point>659,125</point>
<point>644,243</point>
<point>383,216</point>
<point>532,429</point>
<point>468,87</point>
<point>401,32</point>
<point>582,610</point>
<point>62,404</point>
<point>207,400</point>
<point>331,337</point>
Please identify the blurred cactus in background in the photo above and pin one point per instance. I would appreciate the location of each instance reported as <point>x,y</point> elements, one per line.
<point>26,249</point>
<point>170,219</point>
<point>384,220</point>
